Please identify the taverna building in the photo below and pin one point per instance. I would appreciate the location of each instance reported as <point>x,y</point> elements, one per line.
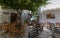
<point>51,16</point>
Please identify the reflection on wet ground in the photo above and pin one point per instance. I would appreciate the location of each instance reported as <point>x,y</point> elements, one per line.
<point>46,32</point>
<point>4,35</point>
<point>57,31</point>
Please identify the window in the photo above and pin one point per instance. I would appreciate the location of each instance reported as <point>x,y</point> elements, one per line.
<point>50,16</point>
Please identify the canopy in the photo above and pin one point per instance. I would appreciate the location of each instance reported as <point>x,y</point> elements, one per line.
<point>51,20</point>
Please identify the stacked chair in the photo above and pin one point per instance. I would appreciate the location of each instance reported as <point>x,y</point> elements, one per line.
<point>12,29</point>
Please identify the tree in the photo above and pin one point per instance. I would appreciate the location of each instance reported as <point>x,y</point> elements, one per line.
<point>18,5</point>
<point>31,5</point>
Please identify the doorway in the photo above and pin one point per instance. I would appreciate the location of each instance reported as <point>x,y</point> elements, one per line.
<point>13,17</point>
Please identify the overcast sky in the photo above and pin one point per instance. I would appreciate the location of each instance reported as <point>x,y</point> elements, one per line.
<point>54,4</point>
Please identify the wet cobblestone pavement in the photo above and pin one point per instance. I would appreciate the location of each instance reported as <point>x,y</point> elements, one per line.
<point>43,34</point>
<point>46,32</point>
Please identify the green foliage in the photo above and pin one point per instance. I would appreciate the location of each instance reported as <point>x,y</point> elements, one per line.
<point>23,4</point>
<point>34,13</point>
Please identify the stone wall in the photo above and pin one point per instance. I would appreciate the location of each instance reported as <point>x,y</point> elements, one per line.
<point>1,18</point>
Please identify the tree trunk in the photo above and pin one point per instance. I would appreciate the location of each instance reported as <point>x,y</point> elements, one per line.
<point>19,19</point>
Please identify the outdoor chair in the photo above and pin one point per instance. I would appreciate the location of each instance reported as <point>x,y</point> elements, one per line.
<point>33,34</point>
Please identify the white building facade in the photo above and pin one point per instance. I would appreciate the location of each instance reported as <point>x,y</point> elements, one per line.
<point>55,17</point>
<point>55,12</point>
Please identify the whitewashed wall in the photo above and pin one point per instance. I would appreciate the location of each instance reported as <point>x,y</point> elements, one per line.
<point>25,14</point>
